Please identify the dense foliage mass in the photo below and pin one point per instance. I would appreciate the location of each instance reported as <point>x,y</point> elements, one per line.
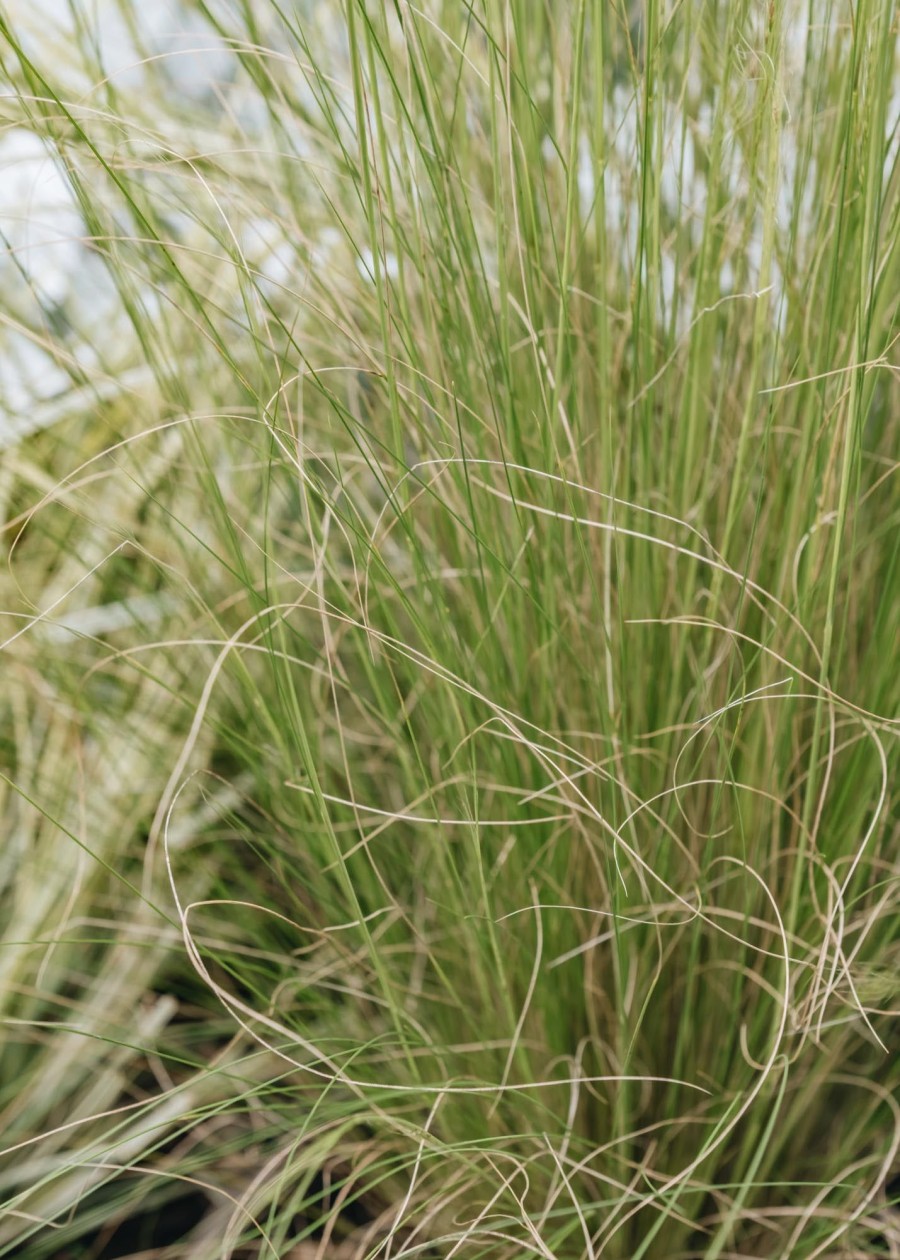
<point>450,609</point>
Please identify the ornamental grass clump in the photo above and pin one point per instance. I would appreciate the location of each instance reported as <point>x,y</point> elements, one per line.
<point>449,612</point>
